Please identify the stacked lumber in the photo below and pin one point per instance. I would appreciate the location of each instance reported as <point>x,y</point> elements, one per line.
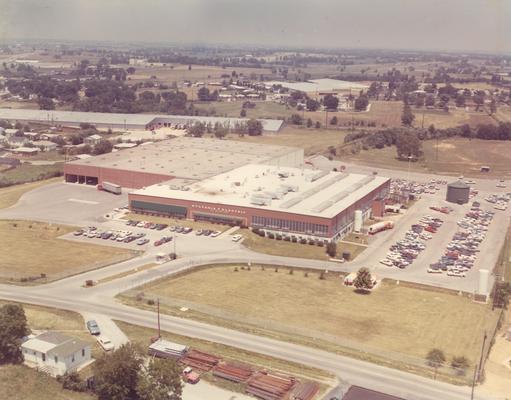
<point>233,372</point>
<point>269,386</point>
<point>200,360</point>
<point>305,391</point>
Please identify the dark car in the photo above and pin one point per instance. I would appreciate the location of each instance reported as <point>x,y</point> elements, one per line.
<point>93,327</point>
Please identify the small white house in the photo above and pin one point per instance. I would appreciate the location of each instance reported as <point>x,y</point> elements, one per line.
<point>55,353</point>
<point>46,145</point>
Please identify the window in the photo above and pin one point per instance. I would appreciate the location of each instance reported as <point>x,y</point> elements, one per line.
<point>83,352</point>
<point>73,358</point>
<point>44,357</point>
<point>56,359</point>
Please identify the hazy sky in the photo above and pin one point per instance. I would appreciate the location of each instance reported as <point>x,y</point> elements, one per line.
<point>479,25</point>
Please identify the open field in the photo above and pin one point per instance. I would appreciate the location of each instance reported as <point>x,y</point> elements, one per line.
<point>21,382</point>
<point>263,109</point>
<point>503,114</point>
<point>10,195</point>
<point>33,248</point>
<point>455,156</point>
<point>174,221</point>
<point>29,173</point>
<point>313,141</point>
<point>367,323</point>
<point>289,249</point>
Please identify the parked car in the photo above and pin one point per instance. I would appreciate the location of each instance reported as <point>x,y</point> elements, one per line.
<point>215,233</point>
<point>93,327</point>
<point>387,262</point>
<point>236,238</point>
<point>105,343</point>
<point>143,241</point>
<point>199,232</point>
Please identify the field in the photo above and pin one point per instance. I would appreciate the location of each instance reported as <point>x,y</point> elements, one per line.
<point>455,156</point>
<point>10,195</point>
<point>313,141</point>
<point>33,248</point>
<point>291,304</point>
<point>288,249</point>
<point>29,173</point>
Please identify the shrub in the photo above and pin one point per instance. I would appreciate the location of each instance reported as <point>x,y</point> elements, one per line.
<point>235,269</point>
<point>150,302</point>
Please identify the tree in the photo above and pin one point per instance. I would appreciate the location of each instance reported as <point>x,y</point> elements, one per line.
<point>160,380</point>
<point>72,381</point>
<point>45,103</point>
<point>317,125</point>
<point>243,113</point>
<point>312,105</point>
<point>363,281</point>
<point>220,130</point>
<point>408,145</point>
<point>197,129</point>
<point>203,94</point>
<point>407,117</point>
<point>13,327</point>
<point>435,358</point>
<point>334,120</point>
<point>460,364</point>
<point>361,103</point>
<point>130,70</point>
<point>254,127</point>
<point>116,374</point>
<point>330,102</point>
<point>501,294</point>
<point>331,249</point>
<point>296,119</point>
<point>309,123</point>
<point>104,146</point>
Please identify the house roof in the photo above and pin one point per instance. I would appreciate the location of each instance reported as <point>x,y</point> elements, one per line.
<point>359,393</point>
<point>55,343</point>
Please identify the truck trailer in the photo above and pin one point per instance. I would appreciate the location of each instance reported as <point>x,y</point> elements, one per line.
<point>380,226</point>
<point>110,187</point>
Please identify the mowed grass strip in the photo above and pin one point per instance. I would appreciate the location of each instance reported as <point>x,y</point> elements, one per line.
<point>21,382</point>
<point>32,248</point>
<point>393,318</point>
<point>11,194</point>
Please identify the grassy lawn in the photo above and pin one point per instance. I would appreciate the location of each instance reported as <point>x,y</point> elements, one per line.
<point>21,382</point>
<point>289,249</point>
<point>33,248</point>
<point>173,221</point>
<point>313,141</point>
<point>10,195</point>
<point>398,321</point>
<point>29,173</point>
<point>455,156</point>
<point>126,273</point>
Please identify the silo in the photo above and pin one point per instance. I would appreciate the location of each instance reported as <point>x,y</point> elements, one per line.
<point>357,227</point>
<point>484,277</point>
<point>458,192</point>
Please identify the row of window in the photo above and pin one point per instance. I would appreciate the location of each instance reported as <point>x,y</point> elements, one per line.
<point>290,225</point>
<point>55,358</point>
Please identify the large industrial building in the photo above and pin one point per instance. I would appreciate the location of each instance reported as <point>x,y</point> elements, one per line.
<point>272,197</point>
<point>122,121</point>
<point>235,183</point>
<point>181,158</point>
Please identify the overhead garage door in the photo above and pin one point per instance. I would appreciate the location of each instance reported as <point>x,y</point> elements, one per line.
<point>156,208</point>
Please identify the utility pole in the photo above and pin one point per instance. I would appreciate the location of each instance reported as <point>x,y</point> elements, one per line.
<point>482,355</point>
<point>158,305</point>
<point>473,383</point>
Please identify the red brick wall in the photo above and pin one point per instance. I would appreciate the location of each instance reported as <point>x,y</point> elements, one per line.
<point>124,178</point>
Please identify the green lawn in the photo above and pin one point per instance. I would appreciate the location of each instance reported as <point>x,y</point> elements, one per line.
<point>29,173</point>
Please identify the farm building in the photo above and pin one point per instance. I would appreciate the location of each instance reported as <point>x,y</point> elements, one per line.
<point>271,197</point>
<point>122,121</point>
<point>185,158</point>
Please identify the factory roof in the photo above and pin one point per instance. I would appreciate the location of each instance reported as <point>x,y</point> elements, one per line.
<point>285,189</point>
<point>187,157</point>
<point>115,119</point>
<point>320,85</point>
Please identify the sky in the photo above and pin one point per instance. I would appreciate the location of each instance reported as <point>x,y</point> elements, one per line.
<point>450,25</point>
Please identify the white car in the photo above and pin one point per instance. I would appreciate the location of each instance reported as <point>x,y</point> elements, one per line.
<point>236,238</point>
<point>215,233</point>
<point>105,343</point>
<point>434,271</point>
<point>455,273</point>
<point>387,262</point>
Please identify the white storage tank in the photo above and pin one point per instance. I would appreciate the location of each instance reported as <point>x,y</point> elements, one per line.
<point>357,227</point>
<point>484,278</point>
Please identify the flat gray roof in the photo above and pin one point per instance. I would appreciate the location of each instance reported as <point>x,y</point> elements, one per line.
<point>114,119</point>
<point>268,187</point>
<point>187,157</point>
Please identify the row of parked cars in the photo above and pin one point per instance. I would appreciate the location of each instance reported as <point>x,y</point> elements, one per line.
<point>400,186</point>
<point>405,251</point>
<point>499,200</point>
<point>461,252</point>
<point>172,228</point>
<point>114,235</point>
